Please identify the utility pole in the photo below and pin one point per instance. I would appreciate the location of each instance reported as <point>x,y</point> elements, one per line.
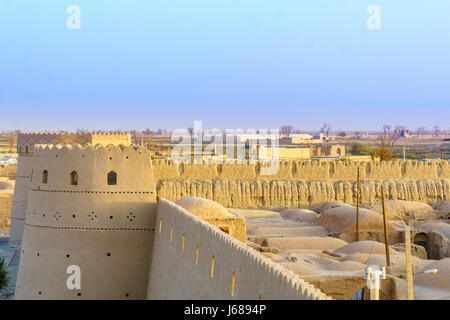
<point>357,204</point>
<point>404,153</point>
<point>409,271</point>
<point>386,235</point>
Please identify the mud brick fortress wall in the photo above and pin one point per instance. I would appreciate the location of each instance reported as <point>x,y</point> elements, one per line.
<point>195,260</point>
<point>93,207</point>
<point>25,148</point>
<point>302,183</point>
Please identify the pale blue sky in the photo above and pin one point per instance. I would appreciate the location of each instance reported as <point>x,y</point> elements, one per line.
<point>231,63</point>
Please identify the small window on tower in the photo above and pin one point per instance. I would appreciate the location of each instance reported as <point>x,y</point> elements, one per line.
<point>45,176</point>
<point>74,178</point>
<point>112,178</point>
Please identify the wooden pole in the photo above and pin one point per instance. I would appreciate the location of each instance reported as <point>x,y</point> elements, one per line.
<point>386,235</point>
<point>357,204</point>
<point>409,271</point>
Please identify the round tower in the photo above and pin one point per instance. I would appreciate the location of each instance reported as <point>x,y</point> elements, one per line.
<point>25,148</point>
<point>91,209</point>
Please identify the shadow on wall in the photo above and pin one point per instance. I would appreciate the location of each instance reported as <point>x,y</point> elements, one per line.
<point>195,260</point>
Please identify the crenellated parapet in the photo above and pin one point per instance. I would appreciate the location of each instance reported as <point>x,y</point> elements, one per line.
<point>91,168</point>
<point>303,170</point>
<point>26,143</point>
<point>27,140</point>
<point>93,207</point>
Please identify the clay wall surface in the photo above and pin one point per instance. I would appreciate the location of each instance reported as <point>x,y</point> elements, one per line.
<point>110,138</point>
<point>301,193</point>
<point>9,172</point>
<point>6,198</point>
<point>20,200</point>
<point>195,260</point>
<point>302,183</point>
<point>25,147</point>
<point>305,170</point>
<point>28,140</point>
<point>106,230</point>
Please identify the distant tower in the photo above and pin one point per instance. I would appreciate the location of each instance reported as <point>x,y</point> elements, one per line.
<point>25,148</point>
<point>93,208</point>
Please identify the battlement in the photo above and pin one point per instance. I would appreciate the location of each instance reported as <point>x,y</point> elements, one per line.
<point>93,206</point>
<point>35,133</point>
<point>98,146</point>
<point>190,253</point>
<point>27,140</point>
<point>303,170</point>
<point>77,168</point>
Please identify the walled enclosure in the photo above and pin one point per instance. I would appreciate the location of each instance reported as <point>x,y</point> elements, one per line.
<point>196,260</point>
<point>93,207</point>
<point>25,148</point>
<point>302,183</point>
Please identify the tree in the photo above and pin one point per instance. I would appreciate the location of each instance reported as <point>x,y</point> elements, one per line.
<point>421,131</point>
<point>286,131</point>
<point>4,279</point>
<point>383,152</point>
<point>326,129</point>
<point>387,141</point>
<point>436,131</point>
<point>389,138</point>
<point>148,138</point>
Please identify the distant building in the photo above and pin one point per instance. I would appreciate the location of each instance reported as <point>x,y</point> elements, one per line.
<point>403,133</point>
<point>328,150</point>
<point>282,153</point>
<point>8,161</point>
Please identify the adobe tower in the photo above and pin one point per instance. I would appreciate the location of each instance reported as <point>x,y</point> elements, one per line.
<point>25,148</point>
<point>94,208</point>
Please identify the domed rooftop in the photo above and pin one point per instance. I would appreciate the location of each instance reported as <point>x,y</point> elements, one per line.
<point>204,208</point>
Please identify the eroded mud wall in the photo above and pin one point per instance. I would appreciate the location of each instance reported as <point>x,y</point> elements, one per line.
<point>305,170</point>
<point>302,183</point>
<point>301,193</point>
